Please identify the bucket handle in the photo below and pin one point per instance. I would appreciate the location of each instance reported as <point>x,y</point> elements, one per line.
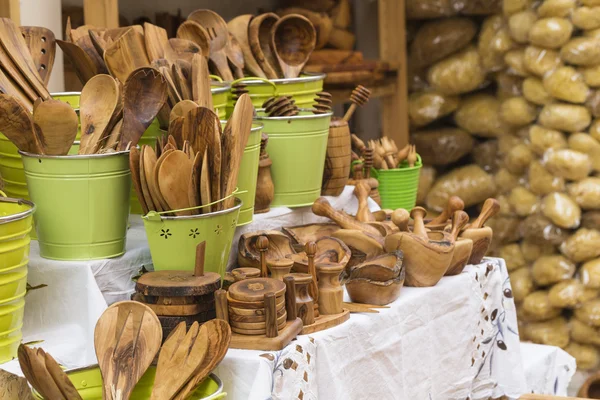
<point>155,215</point>
<point>256,78</point>
<point>216,78</point>
<point>3,194</point>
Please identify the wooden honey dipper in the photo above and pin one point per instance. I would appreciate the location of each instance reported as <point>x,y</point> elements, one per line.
<point>368,157</point>
<point>359,97</point>
<point>283,106</point>
<point>239,89</point>
<point>324,102</point>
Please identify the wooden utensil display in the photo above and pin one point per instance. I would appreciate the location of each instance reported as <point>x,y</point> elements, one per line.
<point>42,46</point>
<point>462,247</point>
<point>58,122</point>
<point>265,189</point>
<point>260,31</point>
<point>294,39</point>
<point>481,235</point>
<point>239,27</point>
<point>127,337</point>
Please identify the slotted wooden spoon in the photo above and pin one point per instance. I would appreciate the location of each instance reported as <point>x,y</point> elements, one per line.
<point>218,36</point>
<point>57,122</point>
<point>42,46</point>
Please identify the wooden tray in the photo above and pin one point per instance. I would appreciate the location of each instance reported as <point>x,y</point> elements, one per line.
<point>261,342</point>
<point>323,322</point>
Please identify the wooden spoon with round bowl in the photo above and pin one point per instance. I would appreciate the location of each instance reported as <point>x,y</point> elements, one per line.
<point>57,122</point>
<point>194,32</point>
<point>174,177</point>
<point>259,38</point>
<point>238,27</point>
<point>185,49</point>
<point>293,39</point>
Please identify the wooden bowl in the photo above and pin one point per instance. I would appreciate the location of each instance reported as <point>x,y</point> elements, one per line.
<point>362,245</point>
<point>330,252</point>
<point>382,268</point>
<point>303,234</point>
<point>460,257</point>
<point>482,239</point>
<point>366,291</point>
<point>280,246</point>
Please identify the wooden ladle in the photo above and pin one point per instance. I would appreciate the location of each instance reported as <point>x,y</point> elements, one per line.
<point>218,36</point>
<point>294,39</point>
<point>481,235</point>
<point>259,37</point>
<point>238,27</point>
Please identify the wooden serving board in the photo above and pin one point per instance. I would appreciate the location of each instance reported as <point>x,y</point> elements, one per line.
<point>261,342</point>
<point>253,305</point>
<point>254,289</point>
<point>323,322</point>
<point>257,312</point>
<point>258,324</point>
<point>177,283</point>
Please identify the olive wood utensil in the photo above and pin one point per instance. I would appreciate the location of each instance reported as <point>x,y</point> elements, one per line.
<point>172,93</point>
<point>8,86</point>
<point>174,177</point>
<point>82,63</point>
<point>81,37</point>
<point>400,218</point>
<point>463,247</point>
<point>144,183</point>
<point>149,163</point>
<point>58,124</point>
<point>359,97</point>
<point>167,149</point>
<point>127,337</point>
<point>490,208</point>
<point>218,36</point>
<point>194,32</point>
<point>194,187</point>
<point>259,37</point>
<point>134,166</point>
<point>362,190</point>
<point>181,83</point>
<point>144,94</point>
<point>454,204</point>
<point>176,130</point>
<point>181,109</point>
<point>201,89</point>
<point>157,43</point>
<point>205,195</point>
<point>99,41</point>
<point>185,49</point>
<point>235,57</point>
<point>233,142</point>
<point>412,156</point>
<point>293,40</point>
<point>126,54</point>
<point>99,99</point>
<point>219,336</point>
<point>16,77</point>
<point>238,27</point>
<point>182,353</point>
<point>17,125</point>
<point>42,46</point>
<point>61,379</point>
<point>34,369</point>
<point>323,208</point>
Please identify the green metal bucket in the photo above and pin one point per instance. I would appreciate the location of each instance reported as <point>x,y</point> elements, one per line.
<point>220,94</point>
<point>173,240</point>
<point>302,89</point>
<point>82,204</point>
<point>248,174</point>
<point>297,146</point>
<point>9,345</point>
<point>398,187</point>
<point>88,382</point>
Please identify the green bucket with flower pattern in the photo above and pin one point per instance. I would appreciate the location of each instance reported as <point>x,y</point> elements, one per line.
<point>173,240</point>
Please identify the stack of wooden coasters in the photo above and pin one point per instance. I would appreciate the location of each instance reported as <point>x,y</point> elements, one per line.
<point>177,296</point>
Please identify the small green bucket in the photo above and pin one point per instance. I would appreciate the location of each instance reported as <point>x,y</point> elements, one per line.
<point>398,187</point>
<point>88,382</point>
<point>297,146</point>
<point>173,240</point>
<point>302,89</point>
<point>82,204</point>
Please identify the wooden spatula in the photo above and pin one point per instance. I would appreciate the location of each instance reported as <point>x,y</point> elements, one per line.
<point>183,353</point>
<point>99,99</point>
<point>205,196</point>
<point>219,336</point>
<point>42,46</point>
<point>157,42</point>
<point>17,125</point>
<point>145,92</point>
<point>61,379</point>
<point>174,175</point>
<point>134,166</point>
<point>82,63</point>
<point>149,166</point>
<point>201,92</point>
<point>234,139</point>
<point>126,54</point>
<point>127,337</point>
<point>34,369</point>
<point>57,122</point>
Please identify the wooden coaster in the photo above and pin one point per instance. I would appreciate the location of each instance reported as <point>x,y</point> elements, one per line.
<point>242,312</point>
<point>252,304</point>
<point>171,301</point>
<point>258,331</point>
<point>235,319</point>
<point>182,310</point>
<point>254,290</point>
<point>177,283</point>
<point>249,272</point>
<point>261,342</point>
<point>326,321</point>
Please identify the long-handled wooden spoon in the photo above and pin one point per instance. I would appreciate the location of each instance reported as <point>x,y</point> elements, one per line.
<point>99,100</point>
<point>42,46</point>
<point>218,36</point>
<point>185,49</point>
<point>259,37</point>
<point>17,125</point>
<point>174,176</point>
<point>127,337</point>
<point>194,32</point>
<point>294,39</point>
<point>58,123</point>
<point>201,90</point>
<point>145,92</point>
<point>126,54</point>
<point>238,27</point>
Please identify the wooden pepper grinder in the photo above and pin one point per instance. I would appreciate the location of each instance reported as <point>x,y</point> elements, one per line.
<point>311,251</point>
<point>305,309</point>
<point>331,293</point>
<point>265,190</point>
<point>262,244</point>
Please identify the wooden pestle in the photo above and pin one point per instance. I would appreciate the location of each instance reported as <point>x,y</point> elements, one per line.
<point>270,315</point>
<point>454,204</point>
<point>400,218</point>
<point>490,208</point>
<point>459,220</point>
<point>290,297</point>
<point>357,143</point>
<point>463,247</point>
<point>262,244</point>
<point>362,189</point>
<point>221,305</point>
<point>418,214</point>
<point>322,208</point>
<point>311,251</point>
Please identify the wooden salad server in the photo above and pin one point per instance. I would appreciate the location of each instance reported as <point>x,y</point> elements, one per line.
<point>57,122</point>
<point>481,235</point>
<point>59,376</point>
<point>42,46</point>
<point>238,27</point>
<point>294,39</point>
<point>16,124</point>
<point>462,246</point>
<point>259,38</point>
<point>218,36</point>
<point>34,368</point>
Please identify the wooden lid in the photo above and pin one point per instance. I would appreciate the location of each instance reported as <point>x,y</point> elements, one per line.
<point>177,283</point>
<point>255,289</point>
<point>250,272</point>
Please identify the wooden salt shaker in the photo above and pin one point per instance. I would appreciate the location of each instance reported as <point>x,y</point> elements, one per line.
<point>304,302</point>
<point>331,293</point>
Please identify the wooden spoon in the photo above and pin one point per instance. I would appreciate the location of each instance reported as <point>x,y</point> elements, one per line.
<point>126,54</point>
<point>8,86</point>
<point>146,194</point>
<point>234,140</point>
<point>218,333</point>
<point>149,162</point>
<point>238,27</point>
<point>85,69</point>
<point>185,49</point>
<point>42,46</point>
<point>259,37</point>
<point>201,85</point>
<point>205,195</point>
<point>34,369</point>
<point>167,149</point>
<point>61,379</point>
<point>99,41</point>
<point>181,109</point>
<point>99,99</point>
<point>157,43</point>
<point>127,337</point>
<point>293,40</point>
<point>181,83</point>
<point>194,32</point>
<point>81,37</point>
<point>134,167</point>
<point>181,353</point>
<point>145,92</point>
<point>58,124</point>
<point>17,125</point>
<point>194,187</point>
<point>174,177</point>
<point>218,37</point>
<point>176,130</point>
<point>235,57</point>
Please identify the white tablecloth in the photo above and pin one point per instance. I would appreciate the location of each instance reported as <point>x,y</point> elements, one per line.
<point>455,340</point>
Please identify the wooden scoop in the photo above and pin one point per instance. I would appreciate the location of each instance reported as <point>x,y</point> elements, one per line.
<point>58,123</point>
<point>82,63</point>
<point>42,46</point>
<point>17,125</point>
<point>173,181</point>
<point>194,32</point>
<point>238,27</point>
<point>201,90</point>
<point>145,92</point>
<point>259,38</point>
<point>322,208</point>
<point>99,99</point>
<point>126,54</point>
<point>362,191</point>
<point>294,39</point>
<point>454,204</point>
<point>218,36</point>
<point>127,337</point>
<point>179,359</point>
